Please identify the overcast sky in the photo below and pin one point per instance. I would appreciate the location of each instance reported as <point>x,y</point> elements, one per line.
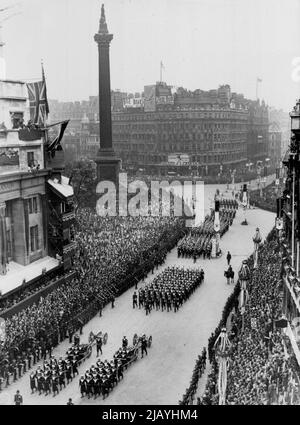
<point>202,43</point>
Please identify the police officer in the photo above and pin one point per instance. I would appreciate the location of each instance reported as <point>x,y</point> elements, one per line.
<point>18,398</point>
<point>76,339</point>
<point>134,300</point>
<point>228,258</point>
<point>124,342</point>
<point>144,346</point>
<point>99,345</point>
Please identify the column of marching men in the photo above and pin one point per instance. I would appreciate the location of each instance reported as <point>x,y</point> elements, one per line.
<point>123,246</point>
<point>103,376</point>
<point>199,241</point>
<point>55,374</point>
<point>169,290</point>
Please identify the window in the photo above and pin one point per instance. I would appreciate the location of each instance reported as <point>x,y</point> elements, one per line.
<point>17,119</point>
<point>34,238</point>
<point>33,205</point>
<point>30,159</point>
<point>9,244</point>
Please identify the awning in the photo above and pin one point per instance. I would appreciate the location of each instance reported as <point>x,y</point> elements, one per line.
<point>62,188</point>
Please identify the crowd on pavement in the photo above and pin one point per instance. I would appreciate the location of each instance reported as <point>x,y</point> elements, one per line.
<point>260,371</point>
<point>265,198</point>
<point>10,300</point>
<point>113,252</point>
<point>198,371</point>
<point>169,290</point>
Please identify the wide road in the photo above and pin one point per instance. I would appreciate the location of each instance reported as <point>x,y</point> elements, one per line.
<point>178,338</point>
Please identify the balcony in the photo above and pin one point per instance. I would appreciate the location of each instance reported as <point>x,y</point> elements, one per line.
<point>69,248</point>
<point>68,216</point>
<point>68,219</point>
<point>290,333</point>
<point>10,138</point>
<point>294,292</point>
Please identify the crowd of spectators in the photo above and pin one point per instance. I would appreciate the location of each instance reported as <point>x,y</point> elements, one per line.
<point>261,371</point>
<point>112,253</point>
<point>265,198</point>
<point>26,291</point>
<point>198,371</point>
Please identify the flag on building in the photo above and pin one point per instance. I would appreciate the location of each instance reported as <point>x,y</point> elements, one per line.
<point>53,146</point>
<point>259,80</point>
<point>38,102</point>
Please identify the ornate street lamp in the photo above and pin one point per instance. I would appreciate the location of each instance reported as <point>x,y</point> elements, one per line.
<point>295,118</point>
<point>244,277</point>
<point>257,240</point>
<point>294,165</point>
<point>222,350</point>
<point>217,223</point>
<point>245,202</point>
<point>232,181</point>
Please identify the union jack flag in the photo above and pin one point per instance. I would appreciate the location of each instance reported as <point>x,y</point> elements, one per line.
<point>38,102</point>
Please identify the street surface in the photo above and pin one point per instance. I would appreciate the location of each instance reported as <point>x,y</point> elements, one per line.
<point>178,338</point>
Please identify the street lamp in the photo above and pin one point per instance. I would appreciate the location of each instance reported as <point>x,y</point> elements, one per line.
<point>244,277</point>
<point>294,166</point>
<point>257,240</point>
<point>295,118</point>
<point>232,181</point>
<point>222,349</point>
<point>217,224</point>
<point>245,203</point>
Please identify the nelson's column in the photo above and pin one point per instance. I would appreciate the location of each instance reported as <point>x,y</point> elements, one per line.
<point>107,162</point>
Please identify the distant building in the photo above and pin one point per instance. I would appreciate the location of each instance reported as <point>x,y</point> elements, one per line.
<point>274,144</point>
<point>282,121</point>
<point>215,128</point>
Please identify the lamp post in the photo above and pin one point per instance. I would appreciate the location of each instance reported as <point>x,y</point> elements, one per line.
<point>245,203</point>
<point>294,161</point>
<point>217,223</point>
<point>244,277</point>
<point>222,349</point>
<point>232,181</point>
<point>257,240</point>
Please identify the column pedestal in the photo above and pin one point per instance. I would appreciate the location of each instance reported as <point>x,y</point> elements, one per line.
<point>107,167</point>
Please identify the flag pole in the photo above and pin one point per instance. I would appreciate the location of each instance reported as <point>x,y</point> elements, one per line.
<point>256,88</point>
<point>160,71</point>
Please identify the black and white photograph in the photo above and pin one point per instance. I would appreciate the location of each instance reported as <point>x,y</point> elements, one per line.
<point>149,205</point>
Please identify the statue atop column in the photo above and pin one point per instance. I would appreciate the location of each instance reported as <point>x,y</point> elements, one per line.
<point>103,25</point>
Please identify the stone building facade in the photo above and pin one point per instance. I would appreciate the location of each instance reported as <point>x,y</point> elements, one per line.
<point>30,179</point>
<point>213,129</point>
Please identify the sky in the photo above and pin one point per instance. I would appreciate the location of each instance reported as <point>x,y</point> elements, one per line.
<point>202,44</point>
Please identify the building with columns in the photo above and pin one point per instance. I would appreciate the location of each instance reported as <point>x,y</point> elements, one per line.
<point>36,202</point>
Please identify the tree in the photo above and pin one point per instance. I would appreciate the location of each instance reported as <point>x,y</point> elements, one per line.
<point>83,179</point>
